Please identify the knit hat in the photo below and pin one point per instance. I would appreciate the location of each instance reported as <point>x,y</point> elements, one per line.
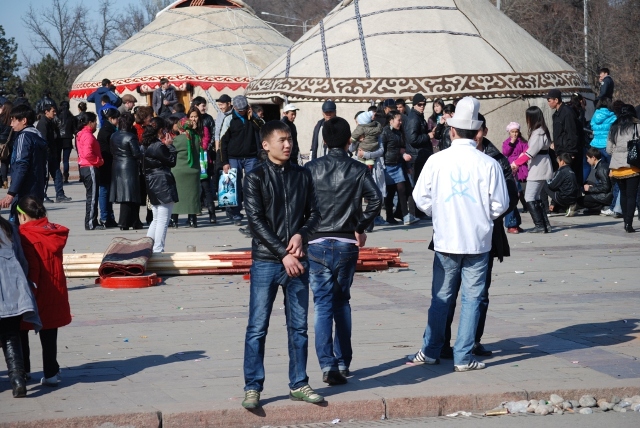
<point>336,132</point>
<point>419,98</point>
<point>365,118</point>
<point>512,126</point>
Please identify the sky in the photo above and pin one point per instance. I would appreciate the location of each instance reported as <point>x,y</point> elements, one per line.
<point>11,20</point>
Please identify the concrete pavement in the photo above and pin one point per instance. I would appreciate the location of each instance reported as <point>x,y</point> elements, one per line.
<point>569,324</point>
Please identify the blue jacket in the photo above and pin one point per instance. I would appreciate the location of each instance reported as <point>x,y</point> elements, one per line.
<point>28,165</point>
<point>601,122</point>
<point>101,109</point>
<point>96,97</point>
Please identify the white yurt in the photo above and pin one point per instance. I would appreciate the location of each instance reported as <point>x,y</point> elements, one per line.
<point>204,47</point>
<point>366,51</point>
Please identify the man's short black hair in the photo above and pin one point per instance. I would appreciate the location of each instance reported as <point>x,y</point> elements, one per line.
<point>336,132</point>
<point>469,134</point>
<point>198,100</point>
<point>48,107</point>
<point>164,80</point>
<point>483,120</point>
<point>21,112</point>
<point>180,108</point>
<point>373,109</point>
<point>592,152</point>
<point>273,126</point>
<point>604,70</point>
<point>105,99</point>
<point>106,82</point>
<point>566,158</point>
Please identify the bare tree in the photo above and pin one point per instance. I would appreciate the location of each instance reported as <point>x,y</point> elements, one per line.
<point>98,39</point>
<point>136,17</point>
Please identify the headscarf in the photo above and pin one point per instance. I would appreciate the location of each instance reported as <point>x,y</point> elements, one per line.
<point>186,126</point>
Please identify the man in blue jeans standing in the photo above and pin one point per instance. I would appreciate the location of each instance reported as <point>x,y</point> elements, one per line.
<point>341,184</point>
<point>280,202</point>
<point>463,190</point>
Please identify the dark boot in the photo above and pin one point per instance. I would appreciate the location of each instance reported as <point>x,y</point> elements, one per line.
<point>536,216</point>
<point>174,221</point>
<point>15,364</point>
<point>193,220</point>
<point>545,217</point>
<point>149,216</point>
<point>524,203</point>
<point>212,215</point>
<point>388,207</point>
<point>65,175</point>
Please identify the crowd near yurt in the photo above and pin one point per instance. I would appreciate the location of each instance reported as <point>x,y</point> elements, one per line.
<point>365,51</point>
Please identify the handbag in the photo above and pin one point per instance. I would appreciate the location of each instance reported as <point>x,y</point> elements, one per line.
<point>633,149</point>
<point>203,164</point>
<point>4,148</point>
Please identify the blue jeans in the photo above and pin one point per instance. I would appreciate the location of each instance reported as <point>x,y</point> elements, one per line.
<point>53,171</point>
<point>512,219</point>
<point>266,277</point>
<point>106,207</point>
<point>66,154</point>
<point>332,265</point>
<point>248,164</point>
<point>453,272</point>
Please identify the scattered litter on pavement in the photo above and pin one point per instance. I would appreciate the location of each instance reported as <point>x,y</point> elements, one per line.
<point>575,362</point>
<point>125,340</point>
<point>527,242</point>
<point>520,272</point>
<point>497,412</point>
<point>335,421</point>
<point>143,337</point>
<point>460,413</point>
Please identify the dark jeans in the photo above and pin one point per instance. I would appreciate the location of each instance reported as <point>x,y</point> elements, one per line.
<point>207,194</point>
<point>89,176</point>
<point>401,188</point>
<point>266,278</point>
<point>106,207</point>
<point>512,219</point>
<point>49,342</point>
<point>243,166</point>
<point>4,170</point>
<point>332,265</point>
<point>53,171</point>
<point>628,197</point>
<point>557,199</point>
<point>66,154</point>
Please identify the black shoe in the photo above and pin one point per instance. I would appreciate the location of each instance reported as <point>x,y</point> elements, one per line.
<point>15,364</point>
<point>446,353</point>
<point>110,223</point>
<point>137,225</point>
<point>392,221</point>
<point>61,199</point>
<point>48,200</point>
<point>193,220</point>
<point>212,216</point>
<point>174,221</point>
<point>124,228</point>
<point>333,377</point>
<point>537,216</point>
<point>245,232</point>
<point>345,373</point>
<point>96,227</point>
<point>481,351</point>
<point>617,215</point>
<point>629,228</point>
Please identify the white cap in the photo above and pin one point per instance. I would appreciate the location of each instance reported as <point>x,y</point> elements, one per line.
<point>466,116</point>
<point>290,107</point>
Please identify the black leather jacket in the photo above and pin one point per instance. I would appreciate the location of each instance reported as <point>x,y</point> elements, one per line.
<point>565,184</point>
<point>209,123</point>
<point>161,184</point>
<point>280,201</point>
<point>600,183</point>
<point>393,143</point>
<point>565,132</point>
<point>416,134</point>
<point>341,183</point>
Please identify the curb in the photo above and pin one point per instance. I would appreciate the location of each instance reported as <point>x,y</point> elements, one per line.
<point>303,413</point>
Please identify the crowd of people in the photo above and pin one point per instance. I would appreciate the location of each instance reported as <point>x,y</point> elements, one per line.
<point>305,229</point>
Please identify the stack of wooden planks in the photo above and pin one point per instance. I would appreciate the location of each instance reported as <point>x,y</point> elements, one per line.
<point>218,263</point>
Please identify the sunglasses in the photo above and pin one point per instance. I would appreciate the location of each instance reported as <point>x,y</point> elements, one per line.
<point>421,104</point>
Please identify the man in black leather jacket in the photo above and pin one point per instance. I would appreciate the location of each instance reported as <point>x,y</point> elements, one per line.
<point>280,202</point>
<point>418,143</point>
<point>341,184</point>
<point>209,185</point>
<point>598,192</point>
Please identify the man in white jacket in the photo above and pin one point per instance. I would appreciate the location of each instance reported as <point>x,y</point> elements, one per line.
<point>463,190</point>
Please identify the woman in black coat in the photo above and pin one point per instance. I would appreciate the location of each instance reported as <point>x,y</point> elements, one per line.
<point>110,120</point>
<point>125,183</point>
<point>159,157</point>
<point>67,127</point>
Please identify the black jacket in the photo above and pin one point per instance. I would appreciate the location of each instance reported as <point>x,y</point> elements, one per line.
<point>241,139</point>
<point>315,140</point>
<point>600,182</point>
<point>66,123</point>
<point>104,139</point>
<point>340,184</point>
<point>565,185</point>
<point>48,130</point>
<point>209,123</point>
<point>43,102</point>
<point>295,150</point>
<point>280,201</point>
<point>161,184</point>
<point>417,134</point>
<point>565,132</point>
<point>5,130</point>
<point>125,179</point>
<point>393,143</point>
<point>606,88</point>
<point>442,133</point>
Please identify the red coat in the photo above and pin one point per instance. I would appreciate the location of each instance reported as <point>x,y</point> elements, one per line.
<point>43,243</point>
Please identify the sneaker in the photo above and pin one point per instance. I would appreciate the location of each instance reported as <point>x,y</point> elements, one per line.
<point>333,377</point>
<point>635,212</point>
<point>420,358</point>
<point>48,200</point>
<point>251,399</point>
<point>61,199</point>
<point>52,381</point>
<point>409,219</point>
<point>473,365</point>
<point>513,230</point>
<point>305,393</point>
<point>571,211</point>
<point>481,351</point>
<point>379,221</point>
<point>607,212</point>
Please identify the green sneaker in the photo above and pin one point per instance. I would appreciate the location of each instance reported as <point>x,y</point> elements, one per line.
<point>251,399</point>
<point>305,393</point>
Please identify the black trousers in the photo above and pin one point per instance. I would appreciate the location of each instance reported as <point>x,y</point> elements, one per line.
<point>589,202</point>
<point>89,176</point>
<point>129,214</point>
<point>49,342</point>
<point>484,307</point>
<point>628,196</point>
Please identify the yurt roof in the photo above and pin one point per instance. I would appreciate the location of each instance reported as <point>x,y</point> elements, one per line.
<point>219,43</point>
<point>373,49</point>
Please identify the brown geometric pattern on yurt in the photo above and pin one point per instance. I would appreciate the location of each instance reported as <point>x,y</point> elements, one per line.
<point>361,89</point>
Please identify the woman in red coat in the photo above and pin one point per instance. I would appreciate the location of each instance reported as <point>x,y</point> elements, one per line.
<point>43,243</point>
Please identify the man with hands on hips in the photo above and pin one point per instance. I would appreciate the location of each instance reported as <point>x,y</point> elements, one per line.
<point>280,202</point>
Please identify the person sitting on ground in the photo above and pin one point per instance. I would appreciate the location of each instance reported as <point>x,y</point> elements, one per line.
<point>598,192</point>
<point>365,136</point>
<point>563,187</point>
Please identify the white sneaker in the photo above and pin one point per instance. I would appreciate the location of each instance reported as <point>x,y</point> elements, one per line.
<point>420,358</point>
<point>473,365</point>
<point>571,211</point>
<point>607,212</point>
<point>409,219</point>
<point>636,212</point>
<point>51,381</point>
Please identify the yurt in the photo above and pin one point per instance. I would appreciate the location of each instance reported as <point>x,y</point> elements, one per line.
<point>366,51</point>
<point>204,47</point>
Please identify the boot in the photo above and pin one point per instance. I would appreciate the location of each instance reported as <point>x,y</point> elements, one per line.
<point>149,216</point>
<point>212,215</point>
<point>174,221</point>
<point>193,220</point>
<point>524,203</point>
<point>536,216</point>
<point>390,215</point>
<point>66,178</point>
<point>545,217</point>
<point>15,364</point>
